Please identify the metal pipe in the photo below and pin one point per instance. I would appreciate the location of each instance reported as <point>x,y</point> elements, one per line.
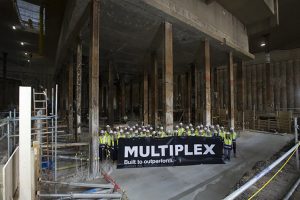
<point>86,185</point>
<point>55,148</point>
<point>292,190</point>
<point>14,130</point>
<point>52,123</point>
<point>83,196</point>
<point>296,142</point>
<point>8,135</point>
<point>239,191</point>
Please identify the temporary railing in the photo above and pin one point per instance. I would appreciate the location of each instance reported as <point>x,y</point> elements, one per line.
<point>252,181</point>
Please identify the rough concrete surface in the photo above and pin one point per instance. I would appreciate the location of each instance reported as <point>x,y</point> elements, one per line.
<point>200,181</point>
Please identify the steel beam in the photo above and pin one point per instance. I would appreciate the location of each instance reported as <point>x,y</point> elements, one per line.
<point>94,84</point>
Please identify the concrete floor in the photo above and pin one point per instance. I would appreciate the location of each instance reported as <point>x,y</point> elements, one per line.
<point>199,181</point>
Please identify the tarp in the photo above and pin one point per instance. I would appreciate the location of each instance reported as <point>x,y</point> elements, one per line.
<point>169,151</point>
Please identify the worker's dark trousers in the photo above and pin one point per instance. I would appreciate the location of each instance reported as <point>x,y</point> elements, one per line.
<point>227,152</point>
<point>102,151</point>
<point>234,147</point>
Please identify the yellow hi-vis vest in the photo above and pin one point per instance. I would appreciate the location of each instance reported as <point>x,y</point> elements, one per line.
<point>233,136</point>
<point>227,142</point>
<point>196,132</point>
<point>180,131</point>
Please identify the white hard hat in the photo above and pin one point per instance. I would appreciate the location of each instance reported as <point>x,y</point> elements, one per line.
<point>148,131</point>
<point>192,129</point>
<point>186,127</point>
<point>161,128</point>
<point>191,125</point>
<point>144,130</point>
<point>131,129</point>
<point>111,132</point>
<point>180,124</point>
<point>121,131</point>
<point>107,126</point>
<point>169,131</point>
<point>176,126</point>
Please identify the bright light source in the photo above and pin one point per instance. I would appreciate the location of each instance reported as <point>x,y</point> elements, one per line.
<point>262,44</point>
<point>26,53</point>
<point>14,27</point>
<point>22,43</point>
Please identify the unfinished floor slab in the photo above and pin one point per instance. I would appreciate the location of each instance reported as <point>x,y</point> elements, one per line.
<point>200,181</point>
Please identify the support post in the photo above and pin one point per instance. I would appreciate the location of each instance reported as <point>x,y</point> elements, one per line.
<point>296,142</point>
<point>196,89</point>
<point>231,90</point>
<point>189,94</point>
<point>94,85</point>
<point>25,158</point>
<point>207,107</point>
<point>145,104</point>
<point>110,93</point>
<point>154,88</point>
<point>78,88</point>
<point>70,96</point>
<point>168,76</point>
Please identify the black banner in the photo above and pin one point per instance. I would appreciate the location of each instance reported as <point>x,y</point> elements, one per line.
<point>169,151</point>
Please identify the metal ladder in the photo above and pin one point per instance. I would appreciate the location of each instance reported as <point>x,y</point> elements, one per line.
<point>40,110</point>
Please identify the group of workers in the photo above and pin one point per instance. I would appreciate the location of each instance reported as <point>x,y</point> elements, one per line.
<point>108,139</point>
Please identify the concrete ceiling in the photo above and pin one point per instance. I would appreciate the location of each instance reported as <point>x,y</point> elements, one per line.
<point>284,36</point>
<point>127,35</point>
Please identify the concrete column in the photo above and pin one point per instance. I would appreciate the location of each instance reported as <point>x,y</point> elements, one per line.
<point>145,104</point>
<point>94,85</point>
<point>154,92</point>
<point>189,94</point>
<point>264,85</point>
<point>290,85</point>
<point>283,100</point>
<point>254,88</point>
<point>297,83</point>
<point>70,95</point>
<point>277,86</point>
<point>110,93</point>
<point>123,100</point>
<point>259,87</point>
<point>221,72</point>
<point>230,73</point>
<point>207,107</point>
<point>168,76</point>
<point>243,87</point>
<point>196,89</point>
<point>78,88</point>
<point>249,102</point>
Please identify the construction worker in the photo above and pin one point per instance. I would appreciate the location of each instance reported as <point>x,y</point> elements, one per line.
<point>102,145</point>
<point>192,132</point>
<point>122,134</point>
<point>153,135</point>
<point>201,131</point>
<point>161,132</point>
<point>128,135</point>
<point>227,146</point>
<point>169,133</point>
<point>180,130</point>
<point>197,131</point>
<point>233,137</point>
<point>176,133</point>
<point>115,146</point>
<point>107,129</point>
<point>222,133</point>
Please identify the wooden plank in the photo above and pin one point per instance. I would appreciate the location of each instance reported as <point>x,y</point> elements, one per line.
<point>25,168</point>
